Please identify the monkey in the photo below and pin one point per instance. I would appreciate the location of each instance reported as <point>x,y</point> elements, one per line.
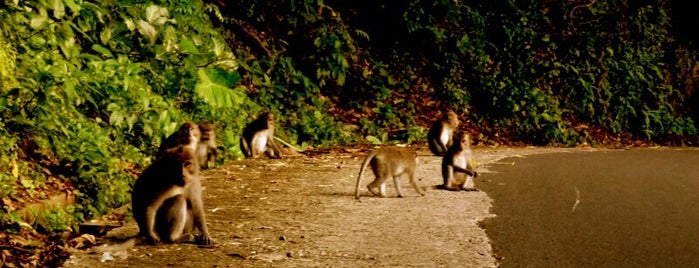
<point>188,134</point>
<point>167,200</point>
<point>457,171</point>
<point>389,163</point>
<point>439,137</point>
<point>206,149</point>
<point>258,138</point>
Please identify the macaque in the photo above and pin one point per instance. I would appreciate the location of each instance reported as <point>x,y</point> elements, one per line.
<point>188,134</point>
<point>167,200</point>
<point>457,171</point>
<point>389,163</point>
<point>439,137</point>
<point>206,149</point>
<point>258,138</point>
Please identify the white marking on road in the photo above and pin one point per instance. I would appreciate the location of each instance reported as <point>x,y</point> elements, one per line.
<point>503,163</point>
<point>577,199</point>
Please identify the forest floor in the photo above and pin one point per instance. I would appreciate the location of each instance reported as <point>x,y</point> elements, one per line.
<point>301,212</point>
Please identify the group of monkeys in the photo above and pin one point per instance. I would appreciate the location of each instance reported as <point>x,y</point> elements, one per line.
<point>167,199</point>
<point>443,140</point>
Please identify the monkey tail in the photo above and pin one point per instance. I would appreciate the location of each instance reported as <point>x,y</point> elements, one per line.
<point>361,172</point>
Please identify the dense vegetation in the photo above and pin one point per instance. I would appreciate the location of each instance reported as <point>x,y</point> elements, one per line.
<point>90,88</point>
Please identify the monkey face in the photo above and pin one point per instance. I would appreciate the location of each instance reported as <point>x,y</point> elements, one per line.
<point>453,118</point>
<point>206,127</point>
<point>465,140</point>
<point>191,132</point>
<point>183,157</point>
<point>189,169</point>
<point>269,118</point>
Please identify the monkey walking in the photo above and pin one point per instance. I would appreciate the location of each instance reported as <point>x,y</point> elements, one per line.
<point>167,200</point>
<point>457,171</point>
<point>258,138</point>
<point>439,137</point>
<point>188,134</point>
<point>206,149</point>
<point>389,163</point>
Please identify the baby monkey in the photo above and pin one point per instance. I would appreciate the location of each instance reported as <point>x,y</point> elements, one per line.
<point>440,135</point>
<point>389,163</point>
<point>457,171</point>
<point>206,149</point>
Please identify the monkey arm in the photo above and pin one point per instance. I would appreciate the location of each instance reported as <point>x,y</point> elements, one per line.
<point>213,152</point>
<point>469,170</point>
<point>200,219</point>
<point>245,147</point>
<point>444,147</point>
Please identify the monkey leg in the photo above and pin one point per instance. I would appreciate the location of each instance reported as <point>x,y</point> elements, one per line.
<point>382,189</point>
<point>451,187</point>
<point>377,183</point>
<point>396,183</point>
<point>372,190</point>
<point>371,187</point>
<point>172,219</point>
<point>468,185</point>
<point>414,184</point>
<point>272,154</point>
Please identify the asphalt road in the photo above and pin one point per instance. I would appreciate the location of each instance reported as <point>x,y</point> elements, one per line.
<point>630,208</point>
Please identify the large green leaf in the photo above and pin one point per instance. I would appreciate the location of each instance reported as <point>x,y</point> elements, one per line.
<point>215,87</point>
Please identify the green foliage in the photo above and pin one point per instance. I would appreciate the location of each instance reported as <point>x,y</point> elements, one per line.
<point>11,168</point>
<point>7,64</point>
<point>54,220</point>
<point>97,85</point>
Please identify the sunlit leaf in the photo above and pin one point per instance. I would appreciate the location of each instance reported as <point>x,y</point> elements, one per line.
<point>15,168</point>
<point>373,140</point>
<point>219,47</point>
<point>69,48</point>
<point>75,8</point>
<point>105,35</point>
<point>156,14</point>
<point>188,46</point>
<point>37,22</point>
<point>103,50</point>
<point>59,9</point>
<point>214,86</point>
<point>147,30</point>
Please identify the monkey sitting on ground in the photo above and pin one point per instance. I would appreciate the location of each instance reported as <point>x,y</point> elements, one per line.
<point>457,171</point>
<point>167,200</point>
<point>206,149</point>
<point>188,134</point>
<point>439,137</point>
<point>389,163</point>
<point>258,138</point>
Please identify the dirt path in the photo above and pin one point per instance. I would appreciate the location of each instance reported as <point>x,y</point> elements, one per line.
<point>301,212</point>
